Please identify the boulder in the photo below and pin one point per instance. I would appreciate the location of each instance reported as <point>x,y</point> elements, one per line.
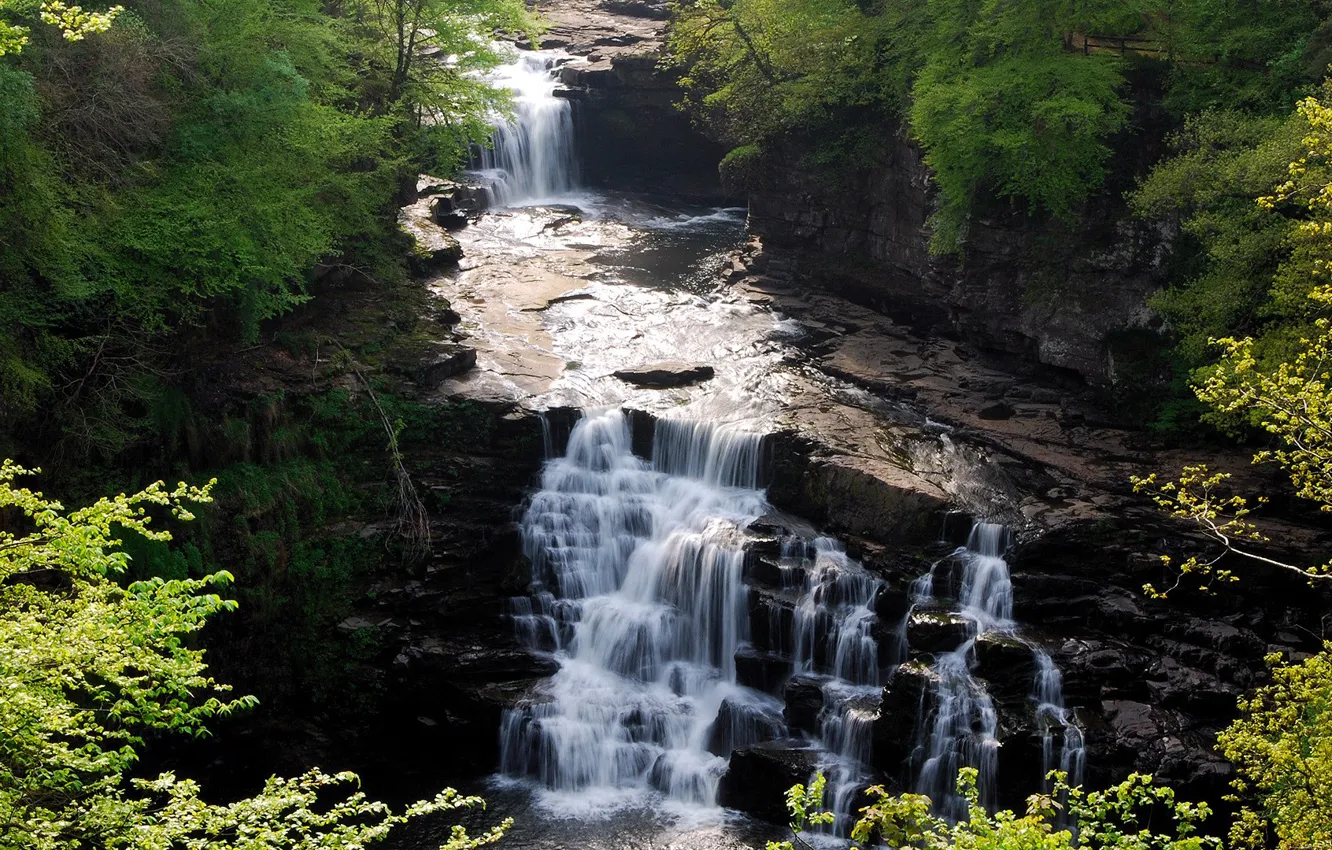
<point>667,374</point>
<point>445,364</point>
<point>999,410</point>
<point>1007,665</point>
<point>905,703</point>
<point>804,702</point>
<point>771,620</point>
<point>935,631</point>
<point>891,605</point>
<point>433,249</point>
<point>875,498</point>
<point>759,776</point>
<point>741,724</point>
<point>763,570</point>
<point>762,671</point>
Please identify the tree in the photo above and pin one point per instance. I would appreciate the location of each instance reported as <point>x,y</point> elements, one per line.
<point>74,22</point>
<point>1290,397</point>
<point>1282,750</point>
<point>436,54</point>
<point>90,665</point>
<point>1119,818</point>
<point>1281,744</point>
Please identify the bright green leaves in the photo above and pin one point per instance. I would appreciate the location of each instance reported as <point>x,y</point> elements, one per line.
<point>1282,750</point>
<point>988,89</point>
<point>806,808</point>
<point>1282,743</point>
<point>1289,396</point>
<point>88,667</point>
<point>759,69</point>
<point>1119,818</point>
<point>1029,128</point>
<point>74,22</point>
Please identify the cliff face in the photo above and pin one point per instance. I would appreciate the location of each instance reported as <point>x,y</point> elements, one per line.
<point>1021,291</point>
<point>632,135</point>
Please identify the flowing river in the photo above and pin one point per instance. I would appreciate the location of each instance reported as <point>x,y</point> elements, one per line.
<point>679,605</point>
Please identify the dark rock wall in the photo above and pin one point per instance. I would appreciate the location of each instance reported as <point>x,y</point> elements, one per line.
<point>1030,292</point>
<point>631,133</point>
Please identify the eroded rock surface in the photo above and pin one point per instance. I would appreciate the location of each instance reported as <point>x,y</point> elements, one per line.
<point>667,374</point>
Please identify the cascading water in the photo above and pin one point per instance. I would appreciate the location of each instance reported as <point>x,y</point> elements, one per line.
<point>833,626</point>
<point>1055,720</point>
<point>532,156</point>
<point>963,731</point>
<point>638,591</point>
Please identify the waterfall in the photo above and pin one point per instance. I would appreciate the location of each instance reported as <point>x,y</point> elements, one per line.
<point>638,591</point>
<point>963,731</point>
<point>1053,718</point>
<point>532,155</point>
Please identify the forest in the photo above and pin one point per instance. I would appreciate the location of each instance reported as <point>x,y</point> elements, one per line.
<point>184,183</point>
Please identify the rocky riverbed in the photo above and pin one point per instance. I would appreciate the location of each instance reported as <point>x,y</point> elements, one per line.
<point>879,429</point>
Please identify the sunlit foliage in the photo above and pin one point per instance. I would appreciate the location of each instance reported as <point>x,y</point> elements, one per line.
<point>1119,818</point>
<point>91,664</point>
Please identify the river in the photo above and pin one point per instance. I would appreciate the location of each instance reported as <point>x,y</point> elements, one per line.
<point>682,608</point>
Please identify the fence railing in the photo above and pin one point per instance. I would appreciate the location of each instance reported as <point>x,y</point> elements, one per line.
<point>1121,45</point>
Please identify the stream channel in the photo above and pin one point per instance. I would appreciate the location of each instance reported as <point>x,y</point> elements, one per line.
<point>683,611</point>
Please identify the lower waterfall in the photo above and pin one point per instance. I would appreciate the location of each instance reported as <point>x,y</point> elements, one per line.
<point>963,731</point>
<point>640,593</point>
<point>637,569</point>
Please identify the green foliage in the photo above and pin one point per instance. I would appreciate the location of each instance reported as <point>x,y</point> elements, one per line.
<point>806,808</point>
<point>172,173</point>
<point>1282,751</point>
<point>1026,127</point>
<point>1002,97</point>
<point>90,665</point>
<point>1290,396</point>
<point>1119,818</point>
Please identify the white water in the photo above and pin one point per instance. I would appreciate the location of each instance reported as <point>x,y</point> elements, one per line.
<point>1062,745</point>
<point>532,156</point>
<point>639,595</point>
<point>639,592</point>
<point>964,729</point>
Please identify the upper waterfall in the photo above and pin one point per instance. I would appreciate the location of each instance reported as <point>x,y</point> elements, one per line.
<point>532,155</point>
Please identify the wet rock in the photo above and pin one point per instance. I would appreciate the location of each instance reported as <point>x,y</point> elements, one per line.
<point>996,411</point>
<point>771,620</point>
<point>875,498</point>
<point>759,776</point>
<point>891,605</point>
<point>741,725</point>
<point>447,363</point>
<point>666,375</point>
<point>905,704</point>
<point>804,702</point>
<point>762,671</point>
<point>936,631</point>
<point>433,249</point>
<point>1006,664</point>
<point>762,570</point>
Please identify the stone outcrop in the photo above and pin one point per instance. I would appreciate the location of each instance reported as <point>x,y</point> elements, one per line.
<point>433,249</point>
<point>1070,301</point>
<point>667,374</point>
<point>759,776</point>
<point>631,133</point>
